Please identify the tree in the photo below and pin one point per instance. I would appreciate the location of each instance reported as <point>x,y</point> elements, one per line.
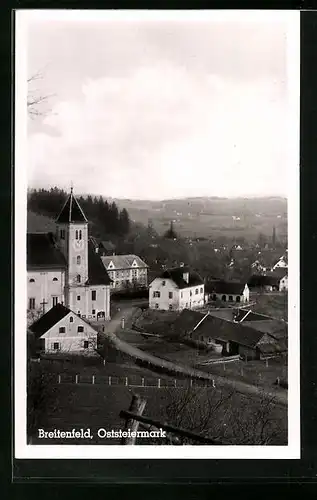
<point>35,98</point>
<point>170,233</point>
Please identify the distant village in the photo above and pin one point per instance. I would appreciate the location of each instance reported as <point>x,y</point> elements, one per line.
<point>74,274</point>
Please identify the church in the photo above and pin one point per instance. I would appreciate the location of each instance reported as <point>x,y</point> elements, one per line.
<point>64,268</point>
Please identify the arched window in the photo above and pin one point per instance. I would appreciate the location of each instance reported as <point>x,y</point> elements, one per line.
<point>80,234</point>
<point>224,298</point>
<point>71,319</point>
<point>230,298</point>
<point>238,298</point>
<point>78,260</point>
<point>32,280</point>
<point>76,234</point>
<point>55,279</point>
<point>78,278</point>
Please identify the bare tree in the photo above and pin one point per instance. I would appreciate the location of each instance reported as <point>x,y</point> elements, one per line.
<point>36,99</point>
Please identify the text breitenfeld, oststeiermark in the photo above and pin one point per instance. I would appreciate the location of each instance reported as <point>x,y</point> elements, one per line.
<point>101,433</point>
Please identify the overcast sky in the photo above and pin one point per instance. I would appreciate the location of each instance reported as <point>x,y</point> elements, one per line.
<point>160,109</point>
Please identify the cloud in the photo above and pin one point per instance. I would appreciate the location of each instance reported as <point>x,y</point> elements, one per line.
<point>163,130</point>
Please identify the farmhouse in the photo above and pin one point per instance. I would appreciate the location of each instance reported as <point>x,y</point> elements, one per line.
<point>61,330</point>
<point>233,338</point>
<point>227,291</point>
<point>126,271</point>
<point>176,289</point>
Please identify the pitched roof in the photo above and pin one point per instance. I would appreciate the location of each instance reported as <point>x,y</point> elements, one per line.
<point>219,329</point>
<point>257,280</point>
<point>122,261</point>
<point>107,245</point>
<point>225,287</point>
<point>49,319</point>
<point>71,211</point>
<point>97,274</point>
<point>176,274</point>
<point>42,252</point>
<point>278,273</point>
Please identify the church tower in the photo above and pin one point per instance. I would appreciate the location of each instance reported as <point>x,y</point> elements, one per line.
<point>72,239</point>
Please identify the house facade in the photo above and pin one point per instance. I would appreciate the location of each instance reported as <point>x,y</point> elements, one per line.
<point>126,271</point>
<point>176,289</point>
<point>283,285</point>
<point>228,291</point>
<point>60,330</point>
<point>64,268</point>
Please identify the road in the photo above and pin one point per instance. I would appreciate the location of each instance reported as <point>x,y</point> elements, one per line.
<point>111,327</point>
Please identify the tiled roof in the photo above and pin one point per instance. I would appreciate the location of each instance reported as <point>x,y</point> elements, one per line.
<point>42,252</point>
<point>278,273</point>
<point>176,275</point>
<point>217,328</point>
<point>122,261</point>
<point>258,280</point>
<point>71,211</point>
<point>97,274</point>
<point>49,319</point>
<point>107,245</point>
<point>225,287</point>
<point>270,326</point>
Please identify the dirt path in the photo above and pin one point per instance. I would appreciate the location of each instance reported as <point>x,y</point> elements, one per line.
<point>115,324</point>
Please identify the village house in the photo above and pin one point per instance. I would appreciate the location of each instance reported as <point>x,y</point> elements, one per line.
<point>64,268</point>
<point>60,330</point>
<point>228,291</point>
<point>281,263</point>
<point>176,289</point>
<point>126,271</point>
<point>226,337</point>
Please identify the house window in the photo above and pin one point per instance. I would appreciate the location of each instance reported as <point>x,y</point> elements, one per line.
<point>238,298</point>
<point>32,303</point>
<point>78,260</point>
<point>32,280</point>
<point>56,346</point>
<point>201,290</point>
<point>196,291</point>
<point>170,295</point>
<point>78,313</point>
<point>55,301</point>
<point>78,297</point>
<point>190,293</point>
<point>224,298</point>
<point>80,329</point>
<point>181,295</point>
<point>80,234</point>
<point>93,295</point>
<point>163,283</point>
<point>209,340</point>
<point>71,319</point>
<point>62,329</point>
<point>93,311</point>
<point>230,298</point>
<point>55,279</point>
<point>86,344</point>
<point>76,235</point>
<point>214,297</point>
<point>170,307</point>
<point>156,306</point>
<point>62,234</point>
<point>156,294</point>
<point>186,304</point>
<point>78,278</point>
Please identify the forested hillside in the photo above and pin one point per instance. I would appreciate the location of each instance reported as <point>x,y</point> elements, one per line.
<point>105,218</point>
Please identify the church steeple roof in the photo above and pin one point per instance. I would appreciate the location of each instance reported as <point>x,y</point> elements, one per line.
<point>71,211</point>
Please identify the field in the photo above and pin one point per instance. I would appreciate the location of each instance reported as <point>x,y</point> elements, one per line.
<point>232,417</point>
<point>271,304</point>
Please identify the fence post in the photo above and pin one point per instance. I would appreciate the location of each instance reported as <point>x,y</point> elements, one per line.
<point>159,383</point>
<point>213,383</point>
<point>93,379</point>
<point>109,380</point>
<point>267,363</point>
<point>137,406</point>
<point>76,379</point>
<point>191,382</point>
<point>104,362</point>
<point>175,382</point>
<point>126,381</point>
<point>224,367</point>
<point>59,379</point>
<point>142,382</point>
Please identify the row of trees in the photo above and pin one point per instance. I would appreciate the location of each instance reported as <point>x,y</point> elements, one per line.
<point>106,217</point>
